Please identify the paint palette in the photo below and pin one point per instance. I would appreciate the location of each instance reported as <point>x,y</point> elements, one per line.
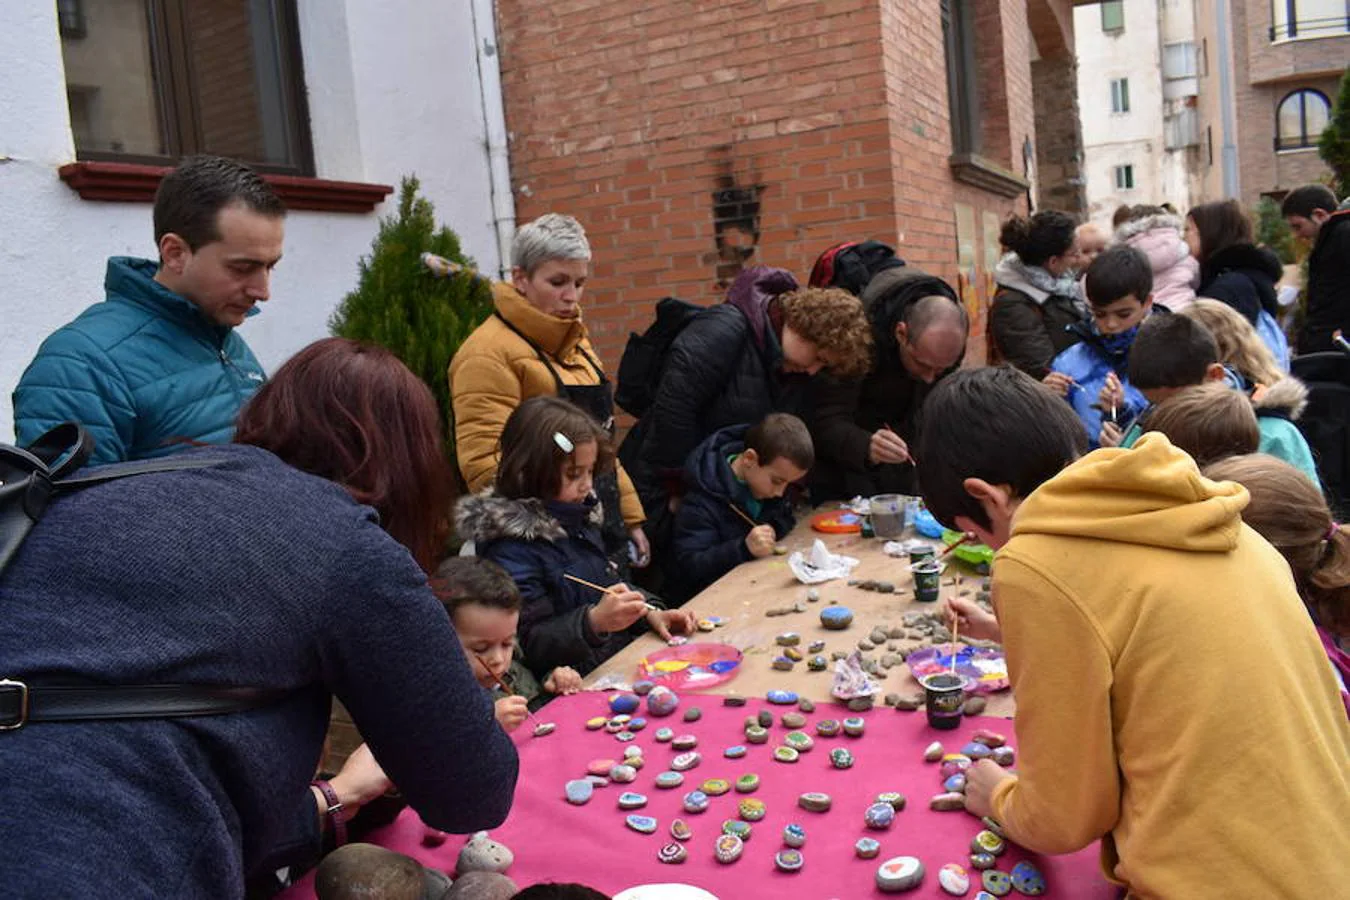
<point>691,666</point>
<point>984,668</point>
<point>837,521</point>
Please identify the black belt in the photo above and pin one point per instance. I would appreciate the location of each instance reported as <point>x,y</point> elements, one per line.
<point>21,703</point>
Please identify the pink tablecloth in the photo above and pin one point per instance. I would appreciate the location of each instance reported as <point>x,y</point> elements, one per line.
<point>555,841</point>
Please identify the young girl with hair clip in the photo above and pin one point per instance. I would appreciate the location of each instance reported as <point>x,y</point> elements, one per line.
<point>1291,514</point>
<point>541,523</point>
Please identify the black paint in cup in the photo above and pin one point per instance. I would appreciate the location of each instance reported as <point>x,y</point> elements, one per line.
<point>944,693</point>
<point>927,580</point>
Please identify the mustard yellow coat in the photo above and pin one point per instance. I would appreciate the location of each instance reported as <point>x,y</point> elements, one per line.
<point>495,370</point>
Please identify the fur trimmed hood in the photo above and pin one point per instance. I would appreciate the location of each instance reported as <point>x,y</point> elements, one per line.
<point>1035,282</point>
<point>487,516</point>
<point>1288,396</point>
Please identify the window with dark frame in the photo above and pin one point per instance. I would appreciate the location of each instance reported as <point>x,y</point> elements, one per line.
<point>1300,119</point>
<point>1120,95</point>
<point>959,42</point>
<point>1290,19</point>
<point>1113,16</point>
<point>1125,178</point>
<point>151,81</point>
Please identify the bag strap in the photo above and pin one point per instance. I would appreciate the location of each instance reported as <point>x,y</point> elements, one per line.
<point>123,470</point>
<point>21,703</point>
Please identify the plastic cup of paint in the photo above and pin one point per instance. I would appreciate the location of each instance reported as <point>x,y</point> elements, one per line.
<point>919,554</point>
<point>927,580</point>
<point>944,692</point>
<point>888,515</point>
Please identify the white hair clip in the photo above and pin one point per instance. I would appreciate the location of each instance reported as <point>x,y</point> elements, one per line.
<point>564,443</point>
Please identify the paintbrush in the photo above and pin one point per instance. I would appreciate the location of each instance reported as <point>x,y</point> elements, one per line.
<point>912,460</point>
<point>604,590</point>
<point>740,512</point>
<point>540,728</point>
<point>963,539</point>
<point>956,626</point>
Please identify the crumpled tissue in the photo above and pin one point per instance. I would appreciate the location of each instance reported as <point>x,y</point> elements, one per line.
<point>821,565</point>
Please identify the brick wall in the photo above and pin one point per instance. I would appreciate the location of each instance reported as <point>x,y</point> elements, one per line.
<point>693,138</point>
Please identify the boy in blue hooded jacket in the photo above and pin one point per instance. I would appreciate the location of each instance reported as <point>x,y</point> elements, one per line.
<point>1093,374</point>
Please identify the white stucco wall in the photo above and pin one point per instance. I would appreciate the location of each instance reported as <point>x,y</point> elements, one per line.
<point>393,89</point>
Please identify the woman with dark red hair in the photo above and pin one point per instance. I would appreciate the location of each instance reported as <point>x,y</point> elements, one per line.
<point>294,562</point>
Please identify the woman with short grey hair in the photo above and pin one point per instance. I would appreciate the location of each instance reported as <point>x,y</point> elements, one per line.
<point>536,344</point>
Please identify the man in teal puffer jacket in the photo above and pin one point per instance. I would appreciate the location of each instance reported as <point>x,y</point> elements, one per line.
<point>158,364</point>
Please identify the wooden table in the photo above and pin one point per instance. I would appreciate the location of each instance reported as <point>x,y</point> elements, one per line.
<point>744,593</point>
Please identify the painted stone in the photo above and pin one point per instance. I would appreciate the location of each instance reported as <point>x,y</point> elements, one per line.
<point>867,848</point>
<point>781,664</point>
<point>954,763</point>
<point>625,736</point>
<point>597,781</point>
<point>544,729</point>
<point>695,802</point>
<point>706,624</point>
<point>643,688</point>
<point>996,882</point>
<point>756,735</point>
<point>686,761</point>
<point>637,724</point>
<point>815,647</point>
<point>794,835</point>
<point>482,854</point>
<point>785,755</point>
<point>684,742</point>
<point>976,751</point>
<point>672,854</point>
<point>623,774</point>
<point>751,809</point>
<point>900,873</point>
<point>854,726</point>
<point>741,829</point>
<point>680,830</point>
<point>1028,880</point>
<point>799,741</point>
<point>992,825</point>
<point>641,824</point>
<point>735,752</point>
<point>814,801</point>
<point>894,798</point>
<point>693,714</point>
<point>623,704</point>
<point>614,725</point>
<point>947,802</point>
<point>805,705</point>
<point>788,860</point>
<point>668,780</point>
<point>764,719</point>
<point>956,783</point>
<point>578,792</point>
<point>729,848</point>
<point>836,618</point>
<point>793,720</point>
<point>988,842</point>
<point>631,800</point>
<point>879,816</point>
<point>788,639</point>
<point>817,663</point>
<point>840,758</point>
<point>600,766</point>
<point>715,787</point>
<point>596,724</point>
<point>984,895</point>
<point>662,701</point>
<point>991,739</point>
<point>747,784</point>
<point>664,734</point>
<point>953,879</point>
<point>781,698</point>
<point>982,861</point>
<point>1004,756</point>
<point>827,728</point>
<point>733,700</point>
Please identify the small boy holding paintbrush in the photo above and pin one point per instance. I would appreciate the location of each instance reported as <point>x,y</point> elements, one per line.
<point>734,507</point>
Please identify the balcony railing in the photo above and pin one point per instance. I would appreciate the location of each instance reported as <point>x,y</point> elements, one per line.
<point>1306,28</point>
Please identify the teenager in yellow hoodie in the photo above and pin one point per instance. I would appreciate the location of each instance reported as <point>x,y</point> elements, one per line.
<point>1173,699</point>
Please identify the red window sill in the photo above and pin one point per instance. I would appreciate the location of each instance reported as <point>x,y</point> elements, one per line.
<point>135,183</point>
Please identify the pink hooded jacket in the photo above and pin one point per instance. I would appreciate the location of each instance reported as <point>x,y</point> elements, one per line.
<point>1176,274</point>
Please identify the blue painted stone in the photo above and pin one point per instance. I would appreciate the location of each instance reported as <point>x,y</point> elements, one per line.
<point>625,736</point>
<point>996,882</point>
<point>637,724</point>
<point>661,701</point>
<point>982,861</point>
<point>1027,879</point>
<point>794,835</point>
<point>867,848</point>
<point>623,703</point>
<point>956,783</point>
<point>879,816</point>
<point>973,750</point>
<point>695,802</point>
<point>782,698</point>
<point>735,752</point>
<point>664,734</point>
<point>641,824</point>
<point>836,618</point>
<point>579,792</point>
<point>985,895</point>
<point>668,780</point>
<point>630,800</point>
<point>643,688</point>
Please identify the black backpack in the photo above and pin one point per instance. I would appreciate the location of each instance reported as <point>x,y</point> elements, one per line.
<point>1325,422</point>
<point>30,477</point>
<point>644,358</point>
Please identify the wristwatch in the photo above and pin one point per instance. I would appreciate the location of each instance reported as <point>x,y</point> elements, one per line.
<point>335,813</point>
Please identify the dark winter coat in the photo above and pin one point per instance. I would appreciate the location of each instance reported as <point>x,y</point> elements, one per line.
<point>1328,285</point>
<point>537,542</point>
<point>724,368</point>
<point>843,415</point>
<point>709,538</point>
<point>1031,319</point>
<point>248,573</point>
<point>1244,277</point>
